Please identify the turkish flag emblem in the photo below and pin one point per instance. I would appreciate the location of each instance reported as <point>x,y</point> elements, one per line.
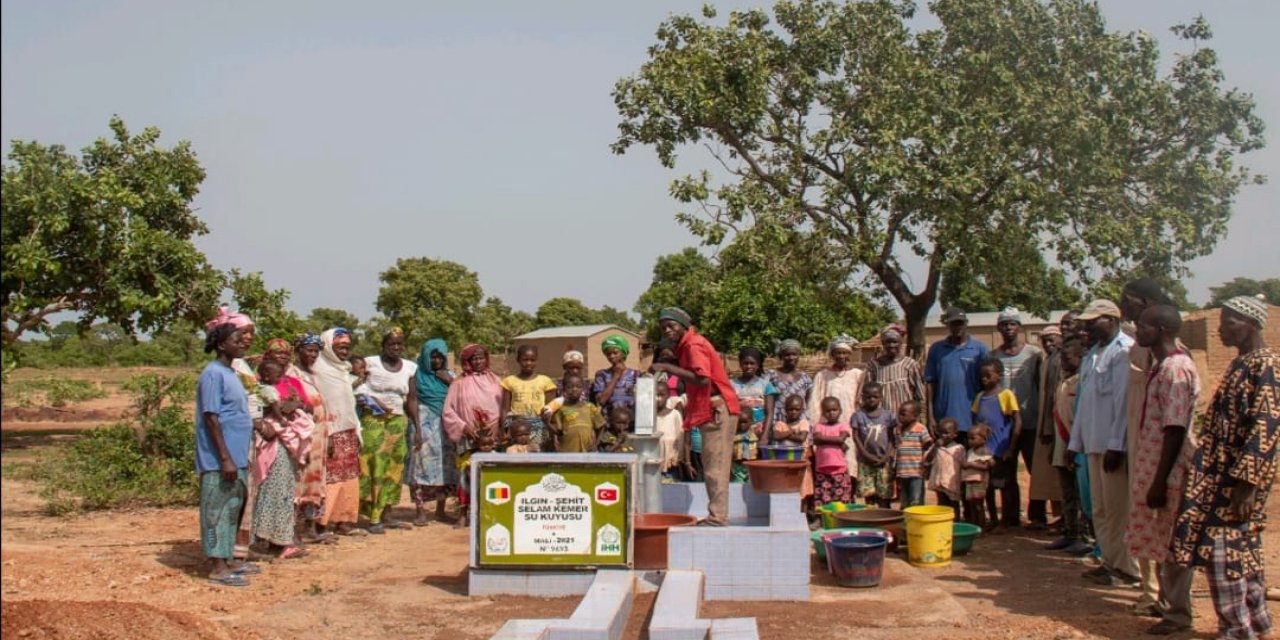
<point>606,495</point>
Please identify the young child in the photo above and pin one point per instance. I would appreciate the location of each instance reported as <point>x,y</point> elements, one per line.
<point>745,445</point>
<point>669,425</point>
<point>946,459</point>
<point>977,469</point>
<point>525,394</point>
<point>910,439</point>
<point>998,407</point>
<point>282,444</point>
<point>873,430</point>
<point>831,478</point>
<point>794,430</point>
<point>521,437</point>
<point>613,438</point>
<point>575,423</point>
<point>366,402</point>
<point>484,443</point>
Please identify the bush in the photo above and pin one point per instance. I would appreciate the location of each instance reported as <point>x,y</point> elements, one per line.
<point>59,392</point>
<point>147,462</point>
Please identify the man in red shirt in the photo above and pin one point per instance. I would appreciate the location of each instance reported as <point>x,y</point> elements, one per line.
<point>711,405</point>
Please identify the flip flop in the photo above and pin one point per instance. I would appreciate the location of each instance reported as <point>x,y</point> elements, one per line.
<point>291,553</point>
<point>246,569</point>
<point>229,580</point>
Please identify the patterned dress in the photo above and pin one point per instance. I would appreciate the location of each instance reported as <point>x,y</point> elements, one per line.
<point>797,383</point>
<point>1170,399</point>
<point>1237,442</point>
<point>900,381</point>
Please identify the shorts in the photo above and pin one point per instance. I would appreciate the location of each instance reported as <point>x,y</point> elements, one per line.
<point>975,490</point>
<point>875,482</point>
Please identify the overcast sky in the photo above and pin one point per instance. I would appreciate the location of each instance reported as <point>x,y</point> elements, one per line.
<point>339,136</point>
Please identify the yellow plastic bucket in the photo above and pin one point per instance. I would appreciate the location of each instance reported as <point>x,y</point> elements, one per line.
<point>929,531</point>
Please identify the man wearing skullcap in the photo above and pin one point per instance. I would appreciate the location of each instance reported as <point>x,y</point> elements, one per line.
<point>1022,363</point>
<point>711,406</point>
<point>1227,485</point>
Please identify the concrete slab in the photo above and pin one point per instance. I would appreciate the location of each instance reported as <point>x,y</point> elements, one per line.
<point>602,614</point>
<point>522,630</point>
<point>901,583</point>
<point>675,612</point>
<point>538,583</point>
<point>735,629</point>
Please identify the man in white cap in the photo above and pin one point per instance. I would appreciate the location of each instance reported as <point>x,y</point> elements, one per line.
<point>1100,431</point>
<point>1022,364</point>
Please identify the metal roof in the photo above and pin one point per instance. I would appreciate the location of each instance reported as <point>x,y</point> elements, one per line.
<point>988,318</point>
<point>579,331</point>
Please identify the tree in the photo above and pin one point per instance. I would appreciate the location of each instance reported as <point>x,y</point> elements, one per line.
<point>609,315</point>
<point>322,318</point>
<point>107,235</point>
<point>564,312</point>
<point>1013,118</point>
<point>680,279</point>
<point>265,306</point>
<point>429,298</point>
<point>1241,286</point>
<point>496,325</point>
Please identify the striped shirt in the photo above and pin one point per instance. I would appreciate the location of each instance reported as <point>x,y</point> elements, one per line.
<point>911,445</point>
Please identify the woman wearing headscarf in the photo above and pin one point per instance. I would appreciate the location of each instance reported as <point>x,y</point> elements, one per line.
<point>755,391</point>
<point>901,378</point>
<point>245,329</point>
<point>842,381</point>
<point>616,385</point>
<point>391,383</point>
<point>430,468</point>
<point>311,485</point>
<point>224,429</point>
<point>332,375</point>
<point>473,406</point>
<point>788,379</point>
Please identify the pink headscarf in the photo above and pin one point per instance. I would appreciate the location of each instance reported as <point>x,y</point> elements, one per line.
<point>474,399</point>
<point>237,320</point>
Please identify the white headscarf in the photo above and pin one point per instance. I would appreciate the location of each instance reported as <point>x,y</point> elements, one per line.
<point>332,377</point>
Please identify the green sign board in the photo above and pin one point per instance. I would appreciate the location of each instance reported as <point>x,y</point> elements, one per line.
<point>550,514</point>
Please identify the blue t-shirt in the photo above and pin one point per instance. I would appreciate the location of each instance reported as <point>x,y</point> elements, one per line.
<point>220,392</point>
<point>953,370</point>
<point>991,410</point>
<point>873,432</point>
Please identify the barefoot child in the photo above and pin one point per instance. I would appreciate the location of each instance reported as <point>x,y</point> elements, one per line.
<point>575,423</point>
<point>746,445</point>
<point>977,469</point>
<point>873,430</point>
<point>910,439</point>
<point>284,438</point>
<point>831,478</point>
<point>946,459</point>
<point>998,407</point>
<point>613,438</point>
<point>669,425</point>
<point>525,394</point>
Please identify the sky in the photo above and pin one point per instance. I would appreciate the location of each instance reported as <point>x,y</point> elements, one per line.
<point>339,136</point>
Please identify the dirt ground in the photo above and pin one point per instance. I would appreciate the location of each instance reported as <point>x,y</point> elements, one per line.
<point>138,574</point>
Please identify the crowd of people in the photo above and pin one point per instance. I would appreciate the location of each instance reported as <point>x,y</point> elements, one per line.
<point>314,444</point>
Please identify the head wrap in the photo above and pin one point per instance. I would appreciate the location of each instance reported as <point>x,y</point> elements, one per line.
<point>469,352</point>
<point>237,320</point>
<point>1251,307</point>
<point>431,389</point>
<point>308,339</point>
<point>842,341</point>
<point>677,315</point>
<point>1009,314</point>
<point>891,332</point>
<point>331,378</point>
<point>339,334</point>
<point>616,341</point>
<point>1051,330</point>
<point>393,332</point>
<point>789,343</point>
<point>278,345</point>
<point>573,356</point>
<point>218,334</point>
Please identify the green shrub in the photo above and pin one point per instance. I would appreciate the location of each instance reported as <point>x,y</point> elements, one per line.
<point>59,392</point>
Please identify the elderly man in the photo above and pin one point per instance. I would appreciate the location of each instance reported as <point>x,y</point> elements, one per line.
<point>711,406</point>
<point>1224,504</point>
<point>1100,431</point>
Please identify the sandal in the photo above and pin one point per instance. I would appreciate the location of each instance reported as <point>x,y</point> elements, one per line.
<point>229,580</point>
<point>245,569</point>
<point>291,553</point>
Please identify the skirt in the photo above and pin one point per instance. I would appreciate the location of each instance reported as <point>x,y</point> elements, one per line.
<point>274,517</point>
<point>832,487</point>
<point>433,462</point>
<point>381,463</point>
<point>220,505</point>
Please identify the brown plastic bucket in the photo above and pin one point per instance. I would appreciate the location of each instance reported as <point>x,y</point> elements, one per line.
<point>651,537</point>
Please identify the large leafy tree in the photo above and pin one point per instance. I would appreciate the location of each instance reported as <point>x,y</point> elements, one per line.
<point>106,235</point>
<point>496,324</point>
<point>266,306</point>
<point>428,297</point>
<point>1013,118</point>
<point>1268,288</point>
<point>564,312</point>
<point>322,318</point>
